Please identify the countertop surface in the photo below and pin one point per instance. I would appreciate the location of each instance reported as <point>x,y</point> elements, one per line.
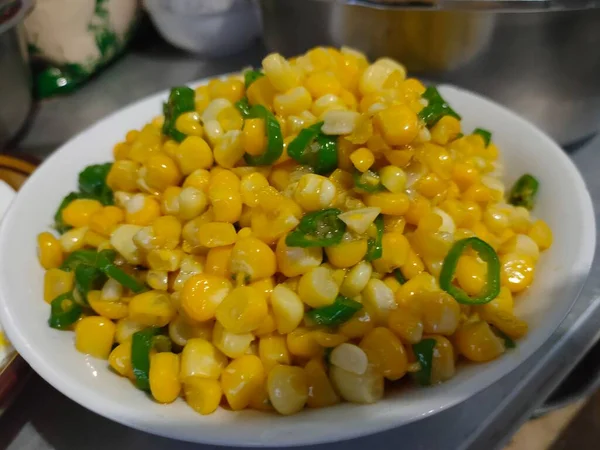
<point>43,419</point>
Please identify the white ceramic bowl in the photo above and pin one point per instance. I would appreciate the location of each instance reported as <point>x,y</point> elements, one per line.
<point>563,202</point>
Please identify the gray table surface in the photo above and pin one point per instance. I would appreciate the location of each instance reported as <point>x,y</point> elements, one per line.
<point>43,419</point>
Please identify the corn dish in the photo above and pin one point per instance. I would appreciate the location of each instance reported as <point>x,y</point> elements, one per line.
<point>293,237</point>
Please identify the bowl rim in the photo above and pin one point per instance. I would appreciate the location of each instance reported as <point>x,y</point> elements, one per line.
<point>107,407</point>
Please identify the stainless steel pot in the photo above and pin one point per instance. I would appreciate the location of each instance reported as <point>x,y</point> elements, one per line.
<point>15,77</point>
<point>540,58</point>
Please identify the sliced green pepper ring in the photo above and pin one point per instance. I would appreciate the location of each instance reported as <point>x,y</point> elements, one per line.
<point>487,254</point>
<point>524,191</point>
<point>141,343</point>
<point>64,311</point>
<point>375,245</point>
<point>314,149</point>
<point>318,229</point>
<point>424,352</point>
<point>274,138</point>
<point>105,263</point>
<point>335,314</point>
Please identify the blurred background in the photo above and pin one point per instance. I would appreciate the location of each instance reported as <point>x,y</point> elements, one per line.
<point>65,64</point>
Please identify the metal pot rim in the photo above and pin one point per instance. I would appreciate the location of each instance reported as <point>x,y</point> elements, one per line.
<point>24,6</point>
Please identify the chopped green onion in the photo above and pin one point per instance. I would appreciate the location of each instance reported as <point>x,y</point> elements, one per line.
<point>524,191</point>
<point>78,257</point>
<point>181,100</point>
<point>436,108</point>
<point>141,343</point>
<point>243,107</point>
<point>375,245</point>
<point>335,314</point>
<point>105,263</point>
<point>424,352</point>
<point>508,342</point>
<point>318,229</point>
<point>488,255</point>
<point>485,134</point>
<point>92,183</point>
<point>88,278</point>
<point>399,276</point>
<point>64,312</point>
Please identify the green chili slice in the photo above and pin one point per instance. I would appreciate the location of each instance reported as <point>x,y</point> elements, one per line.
<point>104,262</point>
<point>88,278</point>
<point>508,342</point>
<point>436,109</point>
<point>367,181</point>
<point>485,134</point>
<point>487,254</point>
<point>162,343</point>
<point>424,352</point>
<point>78,257</point>
<point>64,312</point>
<point>181,100</point>
<point>315,149</point>
<point>274,138</point>
<point>141,343</point>
<point>400,276</point>
<point>318,229</point>
<point>335,314</point>
<point>374,244</point>
<point>243,107</point>
<point>524,191</point>
<point>92,183</point>
<point>250,76</point>
<point>59,223</point>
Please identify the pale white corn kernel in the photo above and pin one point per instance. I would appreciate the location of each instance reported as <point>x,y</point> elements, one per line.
<point>375,108</point>
<point>391,65</point>
<point>494,184</point>
<point>365,388</point>
<point>448,225</point>
<point>200,358</point>
<point>191,203</point>
<point>280,72</point>
<point>337,122</point>
<point>125,329</point>
<point>144,239</point>
<point>231,344</point>
<point>294,101</point>
<point>112,290</point>
<point>345,50</point>
<point>317,287</point>
<point>356,279</point>
<point>136,203</point>
<point>122,241</point>
<point>314,192</point>
<point>295,123</point>
<point>521,244</point>
<point>327,102</point>
<point>182,329</point>
<point>190,266</point>
<point>373,78</point>
<point>349,357</point>
<point>229,149</point>
<point>214,108</point>
<point>288,309</point>
<point>393,178</point>
<point>158,279</point>
<point>122,198</point>
<point>73,239</point>
<point>213,131</point>
<point>359,220</point>
<point>380,297</point>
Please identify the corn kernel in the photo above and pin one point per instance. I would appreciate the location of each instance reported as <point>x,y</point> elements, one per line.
<point>203,395</point>
<point>516,271</point>
<point>193,154</point>
<point>541,233</point>
<point>242,310</point>
<point>477,342</point>
<point>406,324</point>
<point>252,258</point>
<point>231,344</point>
<point>364,388</point>
<point>317,287</point>
<point>120,359</point>
<point>273,350</point>
<point>287,309</point>
<point>95,336</point>
<point>389,203</point>
<point>288,388</point>
<point>320,390</point>
<point>50,253</point>
<point>123,176</point>
<point>385,351</point>
<point>314,192</point>
<point>201,359</point>
<point>152,308</point>
<point>280,73</point>
<point>347,253</point>
<point>241,379</point>
<point>78,212</point>
<point>164,377</point>
<point>380,299</point>
<point>202,294</point>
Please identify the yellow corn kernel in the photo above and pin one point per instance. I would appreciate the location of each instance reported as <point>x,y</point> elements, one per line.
<point>516,271</point>
<point>164,259</point>
<point>229,149</point>
<point>328,339</point>
<point>273,350</point>
<point>198,179</point>
<point>189,124</point>
<point>202,98</point>
<point>78,212</point>
<point>314,192</point>
<point>443,362</point>
<point>288,309</point>
<point>94,336</point>
<point>73,239</point>
<point>301,342</point>
<point>125,329</point>
<point>254,137</point>
<point>292,102</point>
<point>294,261</point>
<point>158,279</point>
<point>141,210</point>
<point>224,196</point>
<point>358,388</point>
<point>395,252</point>
<point>317,287</point>
<point>190,266</point>
<point>477,342</point>
<point>92,239</point>
<point>406,324</point>
<point>217,261</point>
<point>541,233</point>
<point>327,103</point>
<point>356,279</point>
<point>505,321</point>
<point>280,73</point>
<point>261,92</point>
<point>288,388</point>
<point>123,176</point>
<point>440,313</point>
<point>191,203</point>
<point>201,359</point>
<point>164,377</point>
<point>362,159</point>
<point>250,185</point>
<point>393,178</point>
<point>373,78</point>
<point>252,258</point>
<point>380,299</point>
<point>471,274</point>
<point>49,251</point>
<point>203,395</point>
<point>152,308</point>
<point>105,221</point>
<point>389,203</point>
<point>242,310</point>
<point>120,359</point>
<point>241,379</point>
<point>465,175</point>
<point>182,329</point>
<point>322,83</point>
<point>193,154</point>
<point>347,253</point>
<point>231,344</point>
<point>341,122</point>
<point>385,351</point>
<point>169,203</point>
<point>445,130</point>
<point>260,400</point>
<point>216,234</point>
<point>232,89</point>
<point>408,293</point>
<point>320,390</point>
<point>112,310</point>
<point>431,185</point>
<point>57,282</point>
<point>392,283</point>
<point>159,172</point>
<point>121,150</point>
<point>398,124</point>
<point>412,266</point>
<point>147,142</point>
<point>270,225</point>
<point>202,294</point>
<point>419,208</point>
